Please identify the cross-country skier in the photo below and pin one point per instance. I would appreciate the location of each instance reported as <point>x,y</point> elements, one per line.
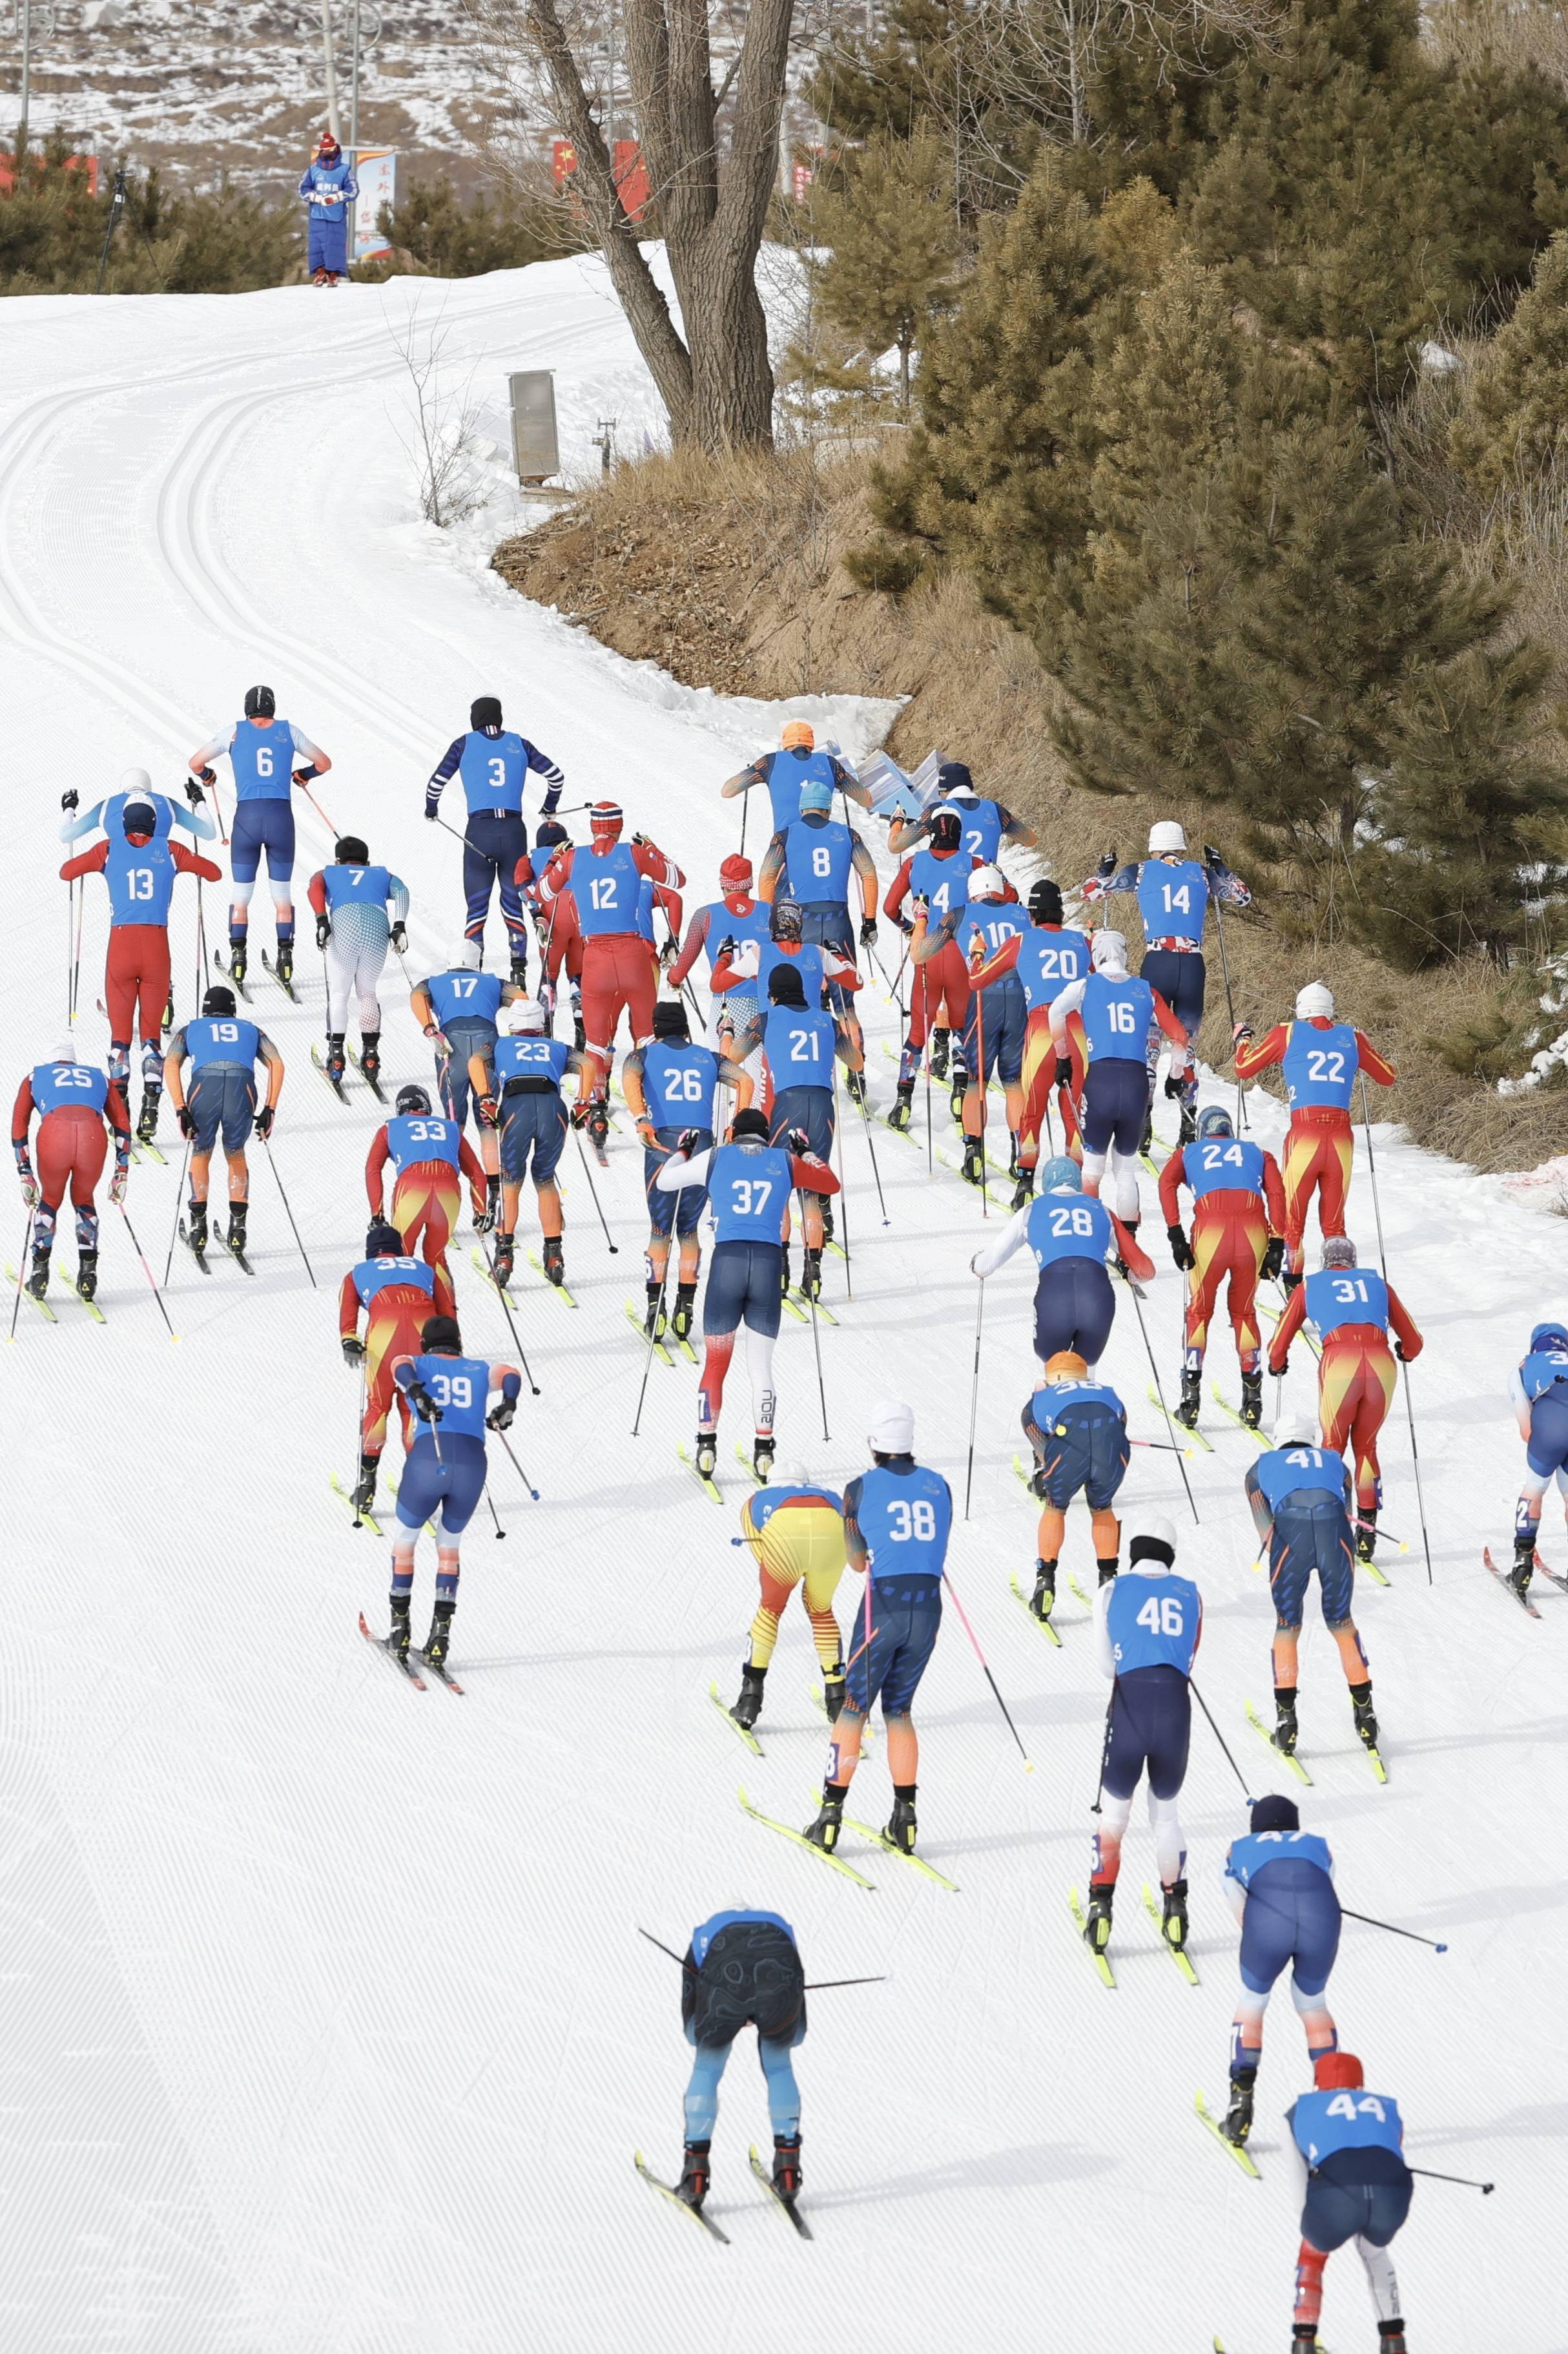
<point>742,1969</point>
<point>1239,1228</point>
<point>139,863</point>
<point>1077,1429</point>
<point>429,1158</point>
<point>223,1052</point>
<point>672,1088</point>
<point>1148,1625</point>
<point>328,187</point>
<point>263,752</point>
<point>457,1010</point>
<point>898,1517</point>
<point>1072,1236</point>
<point>993,1021</point>
<point>1352,1309</point>
<point>984,825</point>
<point>745,968</point>
<point>136,785</point>
<point>785,772</point>
<point>735,918</point>
<point>605,896</point>
<point>1321,1059</point>
<point>350,899</point>
<point>73,1100</point>
<point>795,1531</point>
<point>1301,1499</point>
<point>810,862</point>
<point>450,1394</point>
<point>517,1084</point>
<point>939,874</point>
<point>492,764</point>
<point>400,1295</point>
<point>1351,2146</point>
<point>798,1045</point>
<point>1281,1882</point>
<point>1045,959</point>
<point>749,1182</point>
<point>1115,1020</point>
<point>1173,891</point>
<point>550,838</point>
<point>1538,1393</point>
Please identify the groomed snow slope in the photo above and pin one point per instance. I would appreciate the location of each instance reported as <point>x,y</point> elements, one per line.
<point>326,2022</point>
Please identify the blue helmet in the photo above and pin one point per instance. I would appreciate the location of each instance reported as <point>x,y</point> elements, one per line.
<point>1061,1176</point>
<point>1215,1120</point>
<point>1549,1336</point>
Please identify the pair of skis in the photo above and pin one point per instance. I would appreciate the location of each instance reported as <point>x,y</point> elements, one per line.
<point>45,1307</point>
<point>1506,1582</point>
<point>669,2191</point>
<point>199,1252</point>
<point>1101,1961</point>
<point>836,1863</point>
<point>661,1343</point>
<point>1374,1756</point>
<point>408,1667</point>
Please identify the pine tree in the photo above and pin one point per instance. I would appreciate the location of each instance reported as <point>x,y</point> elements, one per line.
<point>894,239</point>
<point>1514,419</point>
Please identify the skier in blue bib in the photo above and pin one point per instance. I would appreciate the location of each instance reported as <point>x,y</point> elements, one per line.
<point>75,1101</point>
<point>136,785</point>
<point>1350,2143</point>
<point>1303,1503</point>
<point>1077,1428</point>
<point>457,1399</point>
<point>493,765</point>
<point>1538,1393</point>
<point>219,1101</point>
<point>268,755</point>
<point>796,764</point>
<point>984,825</point>
<point>1281,1882</point>
<point>458,1008</point>
<point>742,1969</point>
<point>517,1084</point>
<point>670,1087</point>
<point>329,187</point>
<point>354,931</point>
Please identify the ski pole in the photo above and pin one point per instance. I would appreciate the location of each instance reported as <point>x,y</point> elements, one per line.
<point>978,1079</point>
<point>494,1515</point>
<point>843,1194</point>
<point>201,946</point>
<point>146,1269</point>
<point>273,1167</point>
<point>654,1323</point>
<point>319,811</point>
<point>814,1985</point>
<point>1159,1394</point>
<point>582,1156</point>
<point>1105,1752</point>
<point>22,1273</point>
<point>179,1205</point>
<point>217,812</point>
<point>1414,1936</point>
<point>744,811</point>
<point>974,1396</point>
<point>76,960</point>
<point>506,1310</point>
<point>871,1146</point>
<point>359,1435</point>
<point>991,1679</point>
<point>70,969</point>
<point>517,1466</point>
<point>1465,2180</point>
<point>1219,1737</point>
<point>1404,1369</point>
<point>816,1330</point>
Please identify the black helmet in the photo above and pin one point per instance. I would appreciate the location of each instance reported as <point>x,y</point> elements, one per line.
<point>551,835</point>
<point>484,711</point>
<point>785,986</point>
<point>140,817</point>
<point>1045,902</point>
<point>748,1123</point>
<point>952,777</point>
<point>412,1099</point>
<point>261,703</point>
<point>1274,1813</point>
<point>786,919</point>
<point>382,1240</point>
<point>352,851</point>
<point>218,1000</point>
<point>440,1336</point>
<point>670,1019</point>
<point>946,829</point>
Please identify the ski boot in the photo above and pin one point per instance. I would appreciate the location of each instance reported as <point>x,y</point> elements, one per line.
<point>824,1831</point>
<point>283,964</point>
<point>854,1084</point>
<point>1106,1566</point>
<point>38,1274</point>
<point>168,1021</point>
<point>748,1707</point>
<point>903,1106</point>
<point>762,1458</point>
<point>1097,1919</point>
<point>520,968</point>
<point>811,1274</point>
<point>370,1053</point>
<point>1304,2338</point>
<point>87,1274</point>
<point>685,1306</point>
<point>1361,1711</point>
<point>826,1205</point>
<point>493,1201</point>
<point>833,1690</point>
<point>439,1641</point>
<point>196,1226</point>
<point>1238,2117</point>
<point>787,2175</point>
<point>707,1453</point>
<point>1146,1143</point>
<point>238,961</point>
<point>695,2177</point>
<point>1366,1534</point>
<point>784,1272</point>
<point>554,1259</point>
<point>579,1036</point>
<point>1190,1399</point>
<point>1014,1168</point>
<point>1252,1400</point>
<point>959,1090</point>
<point>337,1062</point>
<point>599,1129</point>
<point>1043,1599</point>
<point>1391,2337</point>
<point>504,1258</point>
<point>147,1126</point>
<point>654,1321</point>
<point>1518,1577</point>
<point>973,1171</point>
<point>940,1043</point>
<point>235,1237</point>
<point>398,1639</point>
<point>365,1487</point>
<point>901,1826</point>
<point>1287,1730</point>
<point>1175,1920</point>
<point>1023,1191</point>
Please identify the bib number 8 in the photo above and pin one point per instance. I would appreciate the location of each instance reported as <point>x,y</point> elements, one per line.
<point>822,860</point>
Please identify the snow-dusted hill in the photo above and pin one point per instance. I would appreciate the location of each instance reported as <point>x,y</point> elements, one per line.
<point>326,2021</point>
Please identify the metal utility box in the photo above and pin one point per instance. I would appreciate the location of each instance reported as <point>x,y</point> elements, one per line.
<point>536,451</point>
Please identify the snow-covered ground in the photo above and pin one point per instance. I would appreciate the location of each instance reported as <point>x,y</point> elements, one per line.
<point>327,2024</point>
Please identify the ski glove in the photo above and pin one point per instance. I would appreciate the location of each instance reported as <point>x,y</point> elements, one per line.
<point>352,1349</point>
<point>29,1189</point>
<point>500,1416</point>
<point>400,938</point>
<point>194,793</point>
<point>70,800</point>
<point>488,1110</point>
<point>264,1119</point>
<point>1241,1036</point>
<point>1063,1071</point>
<point>117,1187</point>
<point>436,1036</point>
<point>207,776</point>
<point>582,1112</point>
<point>1273,1257</point>
<point>868,933</point>
<point>1173,1086</point>
<point>423,1404</point>
<point>798,1143</point>
<point>690,1141</point>
<point>1399,1353</point>
<point>187,1119</point>
<point>1211,856</point>
<point>1180,1249</point>
<point>303,776</point>
<point>483,1219</point>
<point>324,930</point>
<point>1106,866</point>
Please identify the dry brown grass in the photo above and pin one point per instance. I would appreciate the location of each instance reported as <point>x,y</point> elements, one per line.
<point>727,572</point>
